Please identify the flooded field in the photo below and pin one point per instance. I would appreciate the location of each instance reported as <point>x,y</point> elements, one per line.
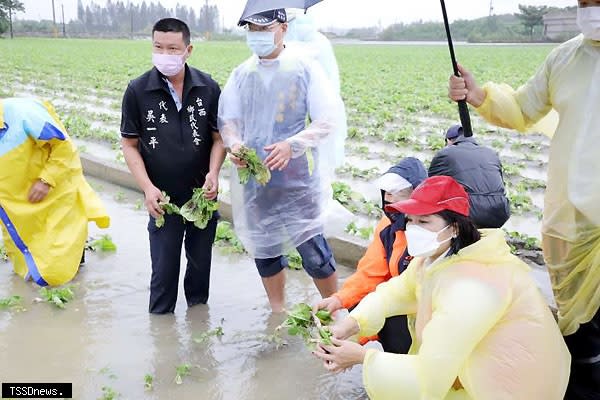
<point>106,339</point>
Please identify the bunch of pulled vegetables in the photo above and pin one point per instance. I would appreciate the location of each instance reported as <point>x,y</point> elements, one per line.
<point>313,327</point>
<point>198,210</point>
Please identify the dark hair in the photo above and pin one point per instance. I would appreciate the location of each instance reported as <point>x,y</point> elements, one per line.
<point>173,25</point>
<point>467,231</point>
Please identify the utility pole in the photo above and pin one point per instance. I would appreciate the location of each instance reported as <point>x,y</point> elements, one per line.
<point>207,14</point>
<point>491,8</point>
<point>62,7</point>
<point>10,20</point>
<point>54,18</point>
<point>130,20</point>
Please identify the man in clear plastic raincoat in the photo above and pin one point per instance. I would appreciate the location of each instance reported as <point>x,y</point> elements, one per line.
<point>45,201</point>
<point>279,103</point>
<point>568,82</point>
<point>481,328</point>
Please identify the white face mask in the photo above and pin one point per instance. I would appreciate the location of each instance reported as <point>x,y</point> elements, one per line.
<point>169,64</point>
<point>588,20</point>
<point>261,43</point>
<point>422,242</point>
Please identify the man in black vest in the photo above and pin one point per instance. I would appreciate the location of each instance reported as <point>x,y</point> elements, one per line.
<point>479,170</point>
<point>171,143</point>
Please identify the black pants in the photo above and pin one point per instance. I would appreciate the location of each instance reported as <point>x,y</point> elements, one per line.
<point>584,345</point>
<point>165,251</point>
<point>395,336</point>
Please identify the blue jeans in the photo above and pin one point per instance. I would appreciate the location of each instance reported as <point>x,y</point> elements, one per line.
<point>317,260</point>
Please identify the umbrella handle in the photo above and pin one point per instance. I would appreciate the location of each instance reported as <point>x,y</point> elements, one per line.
<point>463,109</point>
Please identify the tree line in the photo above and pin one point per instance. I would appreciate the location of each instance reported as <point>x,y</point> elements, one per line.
<point>114,18</point>
<point>525,26</point>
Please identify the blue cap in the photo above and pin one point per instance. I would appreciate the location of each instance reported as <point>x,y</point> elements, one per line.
<point>454,132</point>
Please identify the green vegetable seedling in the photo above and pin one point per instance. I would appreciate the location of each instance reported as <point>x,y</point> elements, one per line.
<point>312,327</point>
<point>11,303</point>
<point>104,244</point>
<point>57,296</point>
<point>148,382</point>
<point>254,167</point>
<point>182,371</point>
<point>168,207</point>
<point>199,209</point>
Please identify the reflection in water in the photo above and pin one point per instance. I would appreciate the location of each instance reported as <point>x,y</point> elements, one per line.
<point>106,338</point>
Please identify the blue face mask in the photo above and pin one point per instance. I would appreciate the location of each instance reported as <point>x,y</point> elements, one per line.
<point>261,43</point>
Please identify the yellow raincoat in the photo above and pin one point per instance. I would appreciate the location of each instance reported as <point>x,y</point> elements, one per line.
<point>477,316</point>
<point>569,82</point>
<point>44,240</point>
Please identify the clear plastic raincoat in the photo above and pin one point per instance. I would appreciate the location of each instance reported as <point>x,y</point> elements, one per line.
<point>302,35</point>
<point>44,240</point>
<point>569,82</point>
<point>265,102</point>
<point>481,330</point>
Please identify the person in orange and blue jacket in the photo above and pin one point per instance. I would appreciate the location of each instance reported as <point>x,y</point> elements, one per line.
<point>385,257</point>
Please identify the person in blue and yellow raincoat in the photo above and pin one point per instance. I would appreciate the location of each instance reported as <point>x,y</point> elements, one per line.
<point>45,201</point>
<point>568,82</point>
<point>481,328</point>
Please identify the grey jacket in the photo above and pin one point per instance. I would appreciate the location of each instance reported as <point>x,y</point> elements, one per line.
<point>479,170</point>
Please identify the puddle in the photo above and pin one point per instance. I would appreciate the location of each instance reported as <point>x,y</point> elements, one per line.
<point>105,337</point>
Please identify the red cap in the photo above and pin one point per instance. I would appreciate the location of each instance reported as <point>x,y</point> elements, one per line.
<point>433,195</point>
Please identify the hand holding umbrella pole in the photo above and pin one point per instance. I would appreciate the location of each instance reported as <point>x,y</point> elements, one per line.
<point>463,109</point>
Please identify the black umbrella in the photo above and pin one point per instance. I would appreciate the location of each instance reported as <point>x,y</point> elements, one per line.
<point>257,6</point>
<point>463,109</point>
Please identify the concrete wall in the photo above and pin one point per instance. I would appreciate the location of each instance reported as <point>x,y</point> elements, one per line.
<point>347,250</point>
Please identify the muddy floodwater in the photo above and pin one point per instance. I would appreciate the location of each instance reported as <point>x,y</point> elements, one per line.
<point>105,342</point>
<point>106,339</point>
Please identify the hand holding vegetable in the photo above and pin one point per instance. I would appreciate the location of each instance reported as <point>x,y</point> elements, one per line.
<point>199,209</point>
<point>253,166</point>
<point>311,326</point>
<point>167,207</point>
<point>235,149</point>
<point>211,185</point>
<point>152,197</point>
<point>345,328</point>
<point>340,355</point>
<point>331,304</point>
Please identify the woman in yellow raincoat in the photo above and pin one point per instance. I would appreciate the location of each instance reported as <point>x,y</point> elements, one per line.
<point>45,202</point>
<point>481,328</point>
<point>569,83</point>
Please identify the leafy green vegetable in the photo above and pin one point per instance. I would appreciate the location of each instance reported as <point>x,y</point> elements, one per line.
<point>204,336</point>
<point>104,244</point>
<point>294,260</point>
<point>181,371</point>
<point>57,296</point>
<point>3,253</point>
<point>311,327</point>
<point>198,209</point>
<point>109,393</point>
<point>254,167</point>
<point>148,382</point>
<point>168,207</point>
<point>12,303</point>
<point>227,239</point>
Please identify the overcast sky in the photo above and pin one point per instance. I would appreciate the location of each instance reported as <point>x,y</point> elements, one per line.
<point>336,13</point>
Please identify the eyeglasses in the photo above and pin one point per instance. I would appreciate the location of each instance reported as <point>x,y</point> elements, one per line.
<point>267,28</point>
